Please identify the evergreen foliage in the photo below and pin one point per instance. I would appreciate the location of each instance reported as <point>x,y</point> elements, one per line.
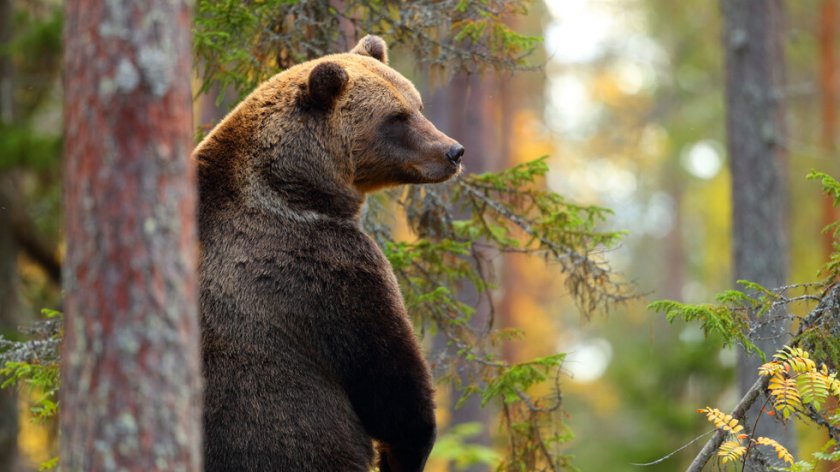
<point>240,44</point>
<point>35,51</point>
<point>460,228</point>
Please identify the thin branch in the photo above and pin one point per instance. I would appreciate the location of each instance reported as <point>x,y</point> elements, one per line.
<point>671,454</point>
<point>738,413</point>
<point>26,237</point>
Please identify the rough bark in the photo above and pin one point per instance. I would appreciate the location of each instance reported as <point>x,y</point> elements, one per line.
<point>8,259</point>
<point>130,394</point>
<point>755,143</point>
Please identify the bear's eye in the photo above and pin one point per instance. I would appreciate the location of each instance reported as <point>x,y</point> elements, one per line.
<point>399,117</point>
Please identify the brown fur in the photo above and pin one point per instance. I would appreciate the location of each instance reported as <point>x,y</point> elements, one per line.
<point>308,352</point>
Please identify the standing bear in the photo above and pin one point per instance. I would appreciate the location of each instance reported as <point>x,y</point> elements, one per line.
<point>309,356</point>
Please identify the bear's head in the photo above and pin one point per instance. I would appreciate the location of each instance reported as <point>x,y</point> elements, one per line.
<point>392,142</point>
<point>328,131</point>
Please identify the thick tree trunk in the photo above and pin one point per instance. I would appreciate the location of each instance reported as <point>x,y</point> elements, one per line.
<point>755,142</point>
<point>8,259</point>
<point>130,393</point>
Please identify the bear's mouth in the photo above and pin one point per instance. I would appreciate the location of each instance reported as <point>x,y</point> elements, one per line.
<point>445,173</point>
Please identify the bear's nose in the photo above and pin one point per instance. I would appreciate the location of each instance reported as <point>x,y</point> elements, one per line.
<point>454,153</point>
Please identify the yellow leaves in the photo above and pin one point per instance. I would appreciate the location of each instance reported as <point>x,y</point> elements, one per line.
<point>770,368</point>
<point>781,451</point>
<point>734,449</point>
<point>796,359</point>
<point>813,387</point>
<point>731,451</point>
<point>785,394</point>
<point>833,383</point>
<point>794,381</point>
<point>722,420</point>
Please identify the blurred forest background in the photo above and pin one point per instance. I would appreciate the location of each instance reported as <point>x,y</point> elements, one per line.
<point>626,97</point>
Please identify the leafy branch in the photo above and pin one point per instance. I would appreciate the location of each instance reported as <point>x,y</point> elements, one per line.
<point>795,386</point>
<point>240,44</point>
<point>33,364</point>
<point>460,228</point>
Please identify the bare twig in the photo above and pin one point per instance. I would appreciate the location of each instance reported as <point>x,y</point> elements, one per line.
<point>738,413</point>
<point>671,454</point>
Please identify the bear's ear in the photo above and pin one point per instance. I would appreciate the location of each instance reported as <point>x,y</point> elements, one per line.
<point>326,82</point>
<point>372,46</point>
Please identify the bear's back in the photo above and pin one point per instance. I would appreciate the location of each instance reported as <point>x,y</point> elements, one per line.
<point>270,290</point>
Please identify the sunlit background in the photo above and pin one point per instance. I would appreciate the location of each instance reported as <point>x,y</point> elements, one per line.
<point>632,115</point>
<point>628,103</point>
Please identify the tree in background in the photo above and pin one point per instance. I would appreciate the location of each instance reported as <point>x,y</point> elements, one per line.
<point>756,140</point>
<point>29,57</point>
<point>8,260</point>
<point>655,110</point>
<point>130,394</point>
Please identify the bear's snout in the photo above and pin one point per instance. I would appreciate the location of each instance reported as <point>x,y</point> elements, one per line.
<point>454,153</point>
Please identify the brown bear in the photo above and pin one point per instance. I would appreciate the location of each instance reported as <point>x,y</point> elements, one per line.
<point>309,356</point>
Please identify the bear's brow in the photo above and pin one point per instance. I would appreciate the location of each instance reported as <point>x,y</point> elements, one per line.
<point>402,88</point>
<point>407,94</point>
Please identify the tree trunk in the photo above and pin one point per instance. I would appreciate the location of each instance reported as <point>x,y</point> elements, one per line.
<point>8,259</point>
<point>131,381</point>
<point>828,92</point>
<point>756,138</point>
<point>8,311</point>
<point>461,109</point>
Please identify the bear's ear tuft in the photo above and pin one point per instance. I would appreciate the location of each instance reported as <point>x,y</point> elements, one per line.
<point>326,82</point>
<point>372,46</point>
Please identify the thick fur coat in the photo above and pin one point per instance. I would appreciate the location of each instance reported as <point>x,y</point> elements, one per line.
<point>309,356</point>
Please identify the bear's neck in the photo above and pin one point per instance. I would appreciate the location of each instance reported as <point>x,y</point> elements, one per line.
<point>318,194</point>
